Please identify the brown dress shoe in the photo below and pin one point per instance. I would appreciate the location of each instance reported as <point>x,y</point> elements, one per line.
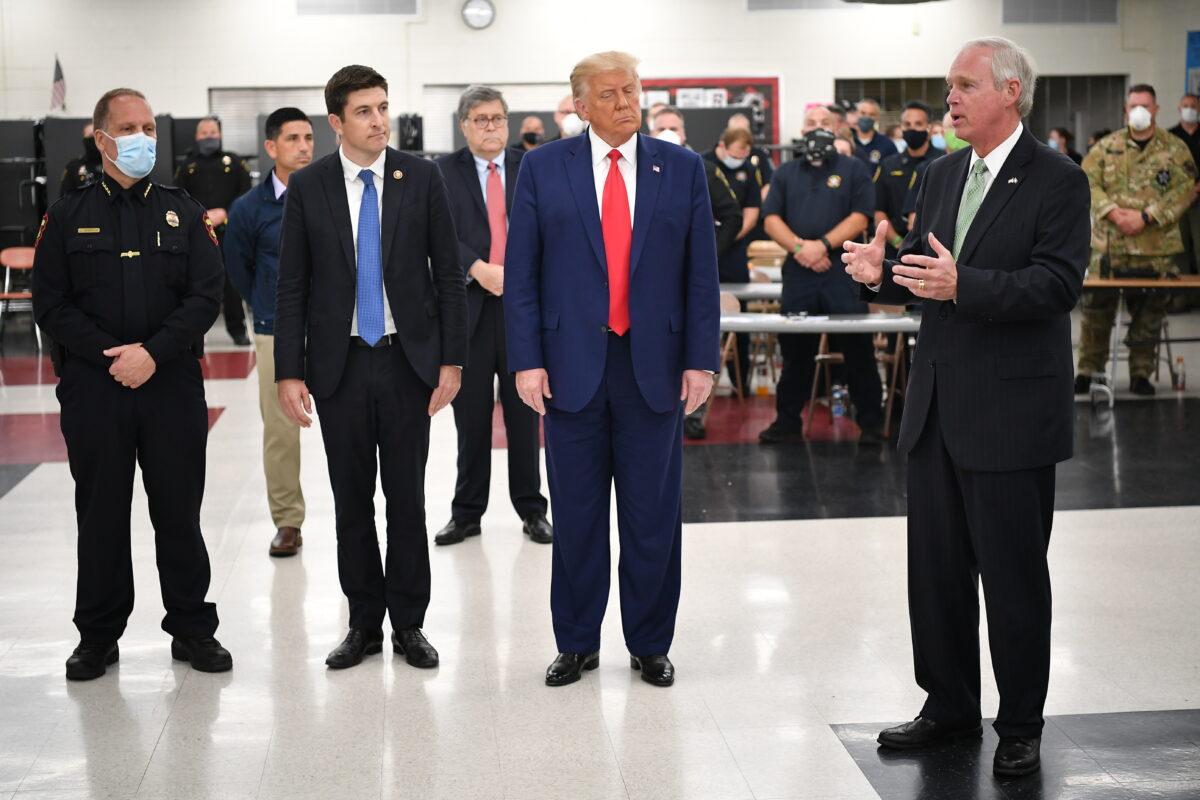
<point>287,542</point>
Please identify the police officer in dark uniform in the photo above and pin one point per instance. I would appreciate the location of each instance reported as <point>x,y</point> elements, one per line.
<point>82,171</point>
<point>215,178</point>
<point>127,278</point>
<point>816,203</point>
<point>895,173</point>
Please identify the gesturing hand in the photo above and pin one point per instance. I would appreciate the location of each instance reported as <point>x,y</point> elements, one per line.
<point>533,386</point>
<point>132,365</point>
<point>864,262</point>
<point>933,277</point>
<point>697,385</point>
<point>295,401</point>
<point>449,381</point>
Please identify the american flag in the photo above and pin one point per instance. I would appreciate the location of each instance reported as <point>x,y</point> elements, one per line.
<point>58,90</point>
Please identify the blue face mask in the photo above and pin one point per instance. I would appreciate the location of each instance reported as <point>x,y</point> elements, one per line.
<point>135,154</point>
<point>938,141</point>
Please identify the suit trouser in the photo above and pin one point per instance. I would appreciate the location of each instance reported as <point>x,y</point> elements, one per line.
<point>963,526</point>
<point>162,427</point>
<point>473,409</point>
<point>380,405</point>
<point>615,438</point>
<point>281,442</point>
<point>826,293</point>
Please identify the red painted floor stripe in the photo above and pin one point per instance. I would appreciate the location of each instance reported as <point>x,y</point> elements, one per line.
<point>37,371</point>
<point>37,438</point>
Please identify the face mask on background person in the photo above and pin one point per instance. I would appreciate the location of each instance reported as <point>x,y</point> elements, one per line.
<point>135,154</point>
<point>938,141</point>
<point>817,147</point>
<point>733,163</point>
<point>571,125</point>
<point>1052,144</point>
<point>667,135</point>
<point>208,147</point>
<point>866,124</point>
<point>531,137</point>
<point>953,142</point>
<point>915,139</point>
<point>1139,118</point>
<point>1189,115</point>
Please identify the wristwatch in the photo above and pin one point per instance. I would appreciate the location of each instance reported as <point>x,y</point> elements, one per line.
<point>828,247</point>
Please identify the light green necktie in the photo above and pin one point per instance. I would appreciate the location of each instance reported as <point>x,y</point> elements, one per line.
<point>971,200</point>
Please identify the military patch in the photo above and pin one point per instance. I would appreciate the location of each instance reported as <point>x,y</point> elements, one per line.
<point>1163,178</point>
<point>41,230</point>
<point>210,230</point>
<point>834,181</point>
<point>173,219</point>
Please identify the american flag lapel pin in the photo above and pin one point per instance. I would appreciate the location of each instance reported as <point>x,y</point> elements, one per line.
<point>1012,180</point>
<point>656,168</point>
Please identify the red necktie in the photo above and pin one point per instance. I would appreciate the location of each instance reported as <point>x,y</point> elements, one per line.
<point>618,235</point>
<point>496,216</point>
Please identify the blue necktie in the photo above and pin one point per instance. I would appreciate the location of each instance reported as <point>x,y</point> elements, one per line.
<point>369,293</point>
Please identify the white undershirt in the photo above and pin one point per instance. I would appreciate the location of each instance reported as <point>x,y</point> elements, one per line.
<point>627,164</point>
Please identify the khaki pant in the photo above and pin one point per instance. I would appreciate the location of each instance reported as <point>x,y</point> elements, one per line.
<point>281,443</point>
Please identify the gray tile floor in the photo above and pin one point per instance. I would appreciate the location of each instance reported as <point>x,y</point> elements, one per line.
<point>786,629</point>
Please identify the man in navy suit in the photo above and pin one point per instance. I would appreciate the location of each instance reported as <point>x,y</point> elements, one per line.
<point>613,315</point>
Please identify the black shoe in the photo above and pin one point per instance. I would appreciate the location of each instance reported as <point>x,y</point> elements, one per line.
<point>538,529</point>
<point>350,652</point>
<point>923,732</point>
<point>1142,386</point>
<point>456,531</point>
<point>1083,384</point>
<point>783,430</point>
<point>694,428</point>
<point>568,667</point>
<point>656,670</point>
<point>204,654</point>
<point>240,338</point>
<point>1017,756</point>
<point>415,648</point>
<point>90,661</point>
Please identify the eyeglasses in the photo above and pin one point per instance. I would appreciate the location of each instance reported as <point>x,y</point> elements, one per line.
<point>481,123</point>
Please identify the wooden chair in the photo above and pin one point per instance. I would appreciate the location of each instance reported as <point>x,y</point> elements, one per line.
<point>731,305</point>
<point>14,260</point>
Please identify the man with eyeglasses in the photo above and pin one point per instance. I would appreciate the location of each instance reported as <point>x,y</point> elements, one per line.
<point>480,179</point>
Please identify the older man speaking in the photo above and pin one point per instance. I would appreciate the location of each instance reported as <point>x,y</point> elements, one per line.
<point>612,316</point>
<point>996,258</point>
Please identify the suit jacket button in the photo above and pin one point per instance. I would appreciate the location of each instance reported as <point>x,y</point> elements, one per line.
<point>931,362</point>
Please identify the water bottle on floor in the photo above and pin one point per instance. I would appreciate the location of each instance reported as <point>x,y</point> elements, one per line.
<point>839,401</point>
<point>1180,376</point>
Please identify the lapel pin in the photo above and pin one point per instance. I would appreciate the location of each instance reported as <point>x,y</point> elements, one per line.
<point>398,174</point>
<point>1012,180</point>
<point>656,168</point>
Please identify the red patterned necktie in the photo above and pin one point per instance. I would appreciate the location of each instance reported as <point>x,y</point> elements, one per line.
<point>496,216</point>
<point>618,235</point>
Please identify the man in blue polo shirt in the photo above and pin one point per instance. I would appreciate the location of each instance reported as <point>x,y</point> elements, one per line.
<point>252,261</point>
<point>816,203</point>
<point>869,144</point>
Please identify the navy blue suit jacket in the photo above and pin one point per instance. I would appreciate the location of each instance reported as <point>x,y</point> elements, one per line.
<point>556,273</point>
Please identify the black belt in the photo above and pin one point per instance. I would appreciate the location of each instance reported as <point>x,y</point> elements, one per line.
<point>384,341</point>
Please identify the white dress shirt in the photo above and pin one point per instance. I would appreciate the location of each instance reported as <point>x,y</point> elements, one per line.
<point>481,170</point>
<point>995,159</point>
<point>279,186</point>
<point>354,195</point>
<point>627,164</point>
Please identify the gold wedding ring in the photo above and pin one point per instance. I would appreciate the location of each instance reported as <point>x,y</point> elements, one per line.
<point>921,285</point>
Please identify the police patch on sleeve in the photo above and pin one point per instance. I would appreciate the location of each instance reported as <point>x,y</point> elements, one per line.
<point>210,230</point>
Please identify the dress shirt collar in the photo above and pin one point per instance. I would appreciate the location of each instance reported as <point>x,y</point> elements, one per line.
<point>601,148</point>
<point>481,164</point>
<point>995,159</point>
<point>280,186</point>
<point>351,170</point>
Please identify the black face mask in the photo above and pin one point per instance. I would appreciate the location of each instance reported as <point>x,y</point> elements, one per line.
<point>208,147</point>
<point>915,139</point>
<point>817,147</point>
<point>531,137</point>
<point>90,151</point>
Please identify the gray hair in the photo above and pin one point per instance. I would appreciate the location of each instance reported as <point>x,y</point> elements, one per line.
<point>476,94</point>
<point>1010,62</point>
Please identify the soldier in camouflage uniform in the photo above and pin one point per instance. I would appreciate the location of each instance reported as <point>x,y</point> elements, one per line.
<point>1141,178</point>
